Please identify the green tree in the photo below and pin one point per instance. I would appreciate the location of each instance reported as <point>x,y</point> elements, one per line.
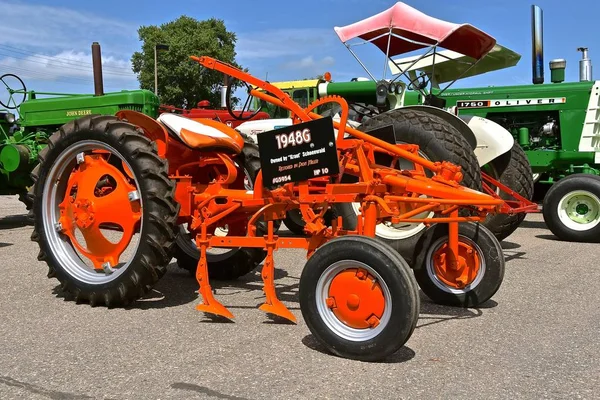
<point>181,81</point>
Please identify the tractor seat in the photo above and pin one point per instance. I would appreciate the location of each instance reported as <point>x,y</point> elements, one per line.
<point>202,133</point>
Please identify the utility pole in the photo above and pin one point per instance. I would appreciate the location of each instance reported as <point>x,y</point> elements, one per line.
<point>157,48</point>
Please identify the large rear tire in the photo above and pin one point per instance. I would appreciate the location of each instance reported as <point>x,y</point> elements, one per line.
<point>437,141</point>
<point>235,262</point>
<point>511,169</point>
<point>359,298</point>
<point>98,178</point>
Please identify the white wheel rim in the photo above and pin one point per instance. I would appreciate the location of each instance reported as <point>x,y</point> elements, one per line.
<point>579,210</point>
<point>403,230</point>
<point>331,320</point>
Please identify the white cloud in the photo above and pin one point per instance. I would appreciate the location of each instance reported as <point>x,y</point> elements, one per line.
<point>69,66</point>
<point>50,28</point>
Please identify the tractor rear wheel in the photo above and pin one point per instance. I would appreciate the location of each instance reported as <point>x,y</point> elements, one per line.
<point>223,263</point>
<point>437,141</point>
<point>480,269</point>
<point>104,211</point>
<point>359,298</point>
<point>511,169</point>
<point>571,208</point>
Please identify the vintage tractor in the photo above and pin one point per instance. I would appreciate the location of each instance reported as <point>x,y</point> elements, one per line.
<point>110,192</point>
<point>42,113</point>
<point>556,124</point>
<point>486,152</point>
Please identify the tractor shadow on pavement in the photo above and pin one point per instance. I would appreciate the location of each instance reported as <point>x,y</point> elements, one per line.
<point>510,251</point>
<point>533,224</point>
<point>14,221</point>
<point>403,355</point>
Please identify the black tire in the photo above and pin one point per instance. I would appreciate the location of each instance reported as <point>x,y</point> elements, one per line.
<point>392,270</point>
<point>488,279</point>
<point>159,209</point>
<point>236,262</point>
<point>512,169</point>
<point>438,141</point>
<point>295,224</point>
<point>559,223</point>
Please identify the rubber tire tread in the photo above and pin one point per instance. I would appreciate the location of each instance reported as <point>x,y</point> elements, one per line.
<point>242,260</point>
<point>514,171</point>
<point>559,189</point>
<point>397,275</point>
<point>160,210</point>
<point>494,264</point>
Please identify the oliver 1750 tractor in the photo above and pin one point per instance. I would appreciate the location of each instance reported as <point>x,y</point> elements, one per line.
<point>557,124</point>
<point>486,152</point>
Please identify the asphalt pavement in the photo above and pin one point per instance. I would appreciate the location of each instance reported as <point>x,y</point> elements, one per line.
<point>539,337</point>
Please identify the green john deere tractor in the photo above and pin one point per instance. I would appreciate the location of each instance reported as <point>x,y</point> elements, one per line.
<point>42,113</point>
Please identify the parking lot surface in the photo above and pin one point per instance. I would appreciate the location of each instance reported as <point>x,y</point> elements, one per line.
<point>539,337</point>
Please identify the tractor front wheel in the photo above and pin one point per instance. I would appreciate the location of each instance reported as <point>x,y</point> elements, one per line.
<point>359,298</point>
<point>572,208</point>
<point>104,211</point>
<point>473,279</point>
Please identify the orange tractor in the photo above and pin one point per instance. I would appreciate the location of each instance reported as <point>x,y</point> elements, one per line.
<point>111,191</point>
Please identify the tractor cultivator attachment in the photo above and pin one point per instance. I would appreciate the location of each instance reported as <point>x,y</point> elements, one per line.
<point>113,195</point>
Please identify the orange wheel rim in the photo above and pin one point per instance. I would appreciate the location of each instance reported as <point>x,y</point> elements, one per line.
<point>461,274</point>
<point>356,298</point>
<point>99,196</point>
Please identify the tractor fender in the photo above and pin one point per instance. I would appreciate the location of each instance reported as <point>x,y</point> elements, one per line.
<point>452,119</point>
<point>253,128</point>
<point>493,139</point>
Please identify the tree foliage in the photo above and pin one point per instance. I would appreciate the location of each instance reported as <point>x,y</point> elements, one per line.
<point>181,81</point>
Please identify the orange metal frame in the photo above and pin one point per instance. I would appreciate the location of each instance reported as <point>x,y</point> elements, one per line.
<point>384,193</point>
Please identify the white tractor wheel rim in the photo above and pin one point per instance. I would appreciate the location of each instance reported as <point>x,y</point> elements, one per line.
<point>579,210</point>
<point>404,230</point>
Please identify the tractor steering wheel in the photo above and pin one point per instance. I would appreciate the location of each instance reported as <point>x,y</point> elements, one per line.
<point>419,83</point>
<point>240,114</point>
<point>10,81</point>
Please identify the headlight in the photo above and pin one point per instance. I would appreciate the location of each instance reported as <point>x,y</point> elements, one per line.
<point>10,118</point>
<point>392,88</point>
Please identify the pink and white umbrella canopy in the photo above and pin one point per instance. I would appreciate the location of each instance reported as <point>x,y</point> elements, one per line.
<point>408,24</point>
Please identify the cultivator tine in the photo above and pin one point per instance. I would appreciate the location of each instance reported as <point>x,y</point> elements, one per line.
<point>272,304</point>
<point>209,304</point>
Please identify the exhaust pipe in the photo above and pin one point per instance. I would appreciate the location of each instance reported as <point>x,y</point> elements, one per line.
<point>97,68</point>
<point>224,92</point>
<point>537,44</point>
<point>585,66</point>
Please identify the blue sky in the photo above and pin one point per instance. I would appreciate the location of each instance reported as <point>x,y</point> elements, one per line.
<point>47,42</point>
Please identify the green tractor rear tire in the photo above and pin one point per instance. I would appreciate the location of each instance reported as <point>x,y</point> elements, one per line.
<point>511,169</point>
